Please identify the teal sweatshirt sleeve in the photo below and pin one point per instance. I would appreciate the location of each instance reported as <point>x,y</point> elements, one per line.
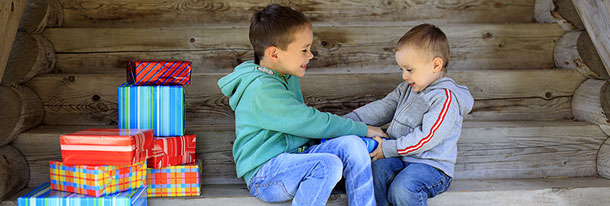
<point>279,110</point>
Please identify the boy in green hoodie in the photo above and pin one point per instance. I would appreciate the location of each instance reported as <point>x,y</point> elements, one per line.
<point>274,149</point>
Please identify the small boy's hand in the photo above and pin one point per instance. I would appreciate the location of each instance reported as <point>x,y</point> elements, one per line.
<point>375,131</point>
<point>378,152</point>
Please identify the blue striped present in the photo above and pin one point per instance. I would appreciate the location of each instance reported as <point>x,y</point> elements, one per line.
<point>152,107</point>
<point>44,195</point>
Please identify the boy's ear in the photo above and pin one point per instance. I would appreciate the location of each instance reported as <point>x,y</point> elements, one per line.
<point>437,64</point>
<point>271,53</point>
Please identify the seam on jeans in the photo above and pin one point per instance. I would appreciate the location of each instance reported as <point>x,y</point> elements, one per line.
<point>279,183</point>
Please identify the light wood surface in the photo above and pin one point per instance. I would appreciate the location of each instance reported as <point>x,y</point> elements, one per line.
<point>11,12</point>
<point>591,103</point>
<point>575,51</point>
<point>339,48</point>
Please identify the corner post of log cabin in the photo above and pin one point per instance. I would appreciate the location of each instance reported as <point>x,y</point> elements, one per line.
<point>594,15</point>
<point>40,14</point>
<point>14,171</point>
<point>10,16</point>
<point>550,11</point>
<point>576,51</point>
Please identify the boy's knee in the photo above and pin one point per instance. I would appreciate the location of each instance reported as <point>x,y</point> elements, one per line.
<point>353,144</point>
<point>404,193</point>
<point>332,166</point>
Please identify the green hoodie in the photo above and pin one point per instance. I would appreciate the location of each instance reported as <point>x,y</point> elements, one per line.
<point>271,117</point>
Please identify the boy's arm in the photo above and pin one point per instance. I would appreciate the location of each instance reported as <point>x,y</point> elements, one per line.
<point>379,112</point>
<point>278,109</point>
<point>437,124</point>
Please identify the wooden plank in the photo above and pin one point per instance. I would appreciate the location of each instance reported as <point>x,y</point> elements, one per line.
<point>487,150</point>
<point>568,191</point>
<point>353,48</point>
<point>134,13</point>
<point>11,12</point>
<point>21,110</point>
<point>92,99</point>
<point>594,15</point>
<point>13,171</point>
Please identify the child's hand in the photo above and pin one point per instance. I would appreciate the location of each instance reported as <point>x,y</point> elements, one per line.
<point>375,131</point>
<point>378,152</point>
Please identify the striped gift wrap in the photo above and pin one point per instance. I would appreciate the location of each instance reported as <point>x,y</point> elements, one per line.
<point>119,147</point>
<point>159,72</point>
<point>172,151</point>
<point>43,195</point>
<point>174,181</point>
<point>97,180</point>
<point>152,107</point>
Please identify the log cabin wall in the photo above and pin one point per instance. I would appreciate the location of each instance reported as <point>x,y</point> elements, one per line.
<point>521,125</point>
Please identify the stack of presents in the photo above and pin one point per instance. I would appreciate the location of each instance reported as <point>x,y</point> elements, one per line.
<point>148,156</point>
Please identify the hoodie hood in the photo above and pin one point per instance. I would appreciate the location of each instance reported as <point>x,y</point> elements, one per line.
<point>461,93</point>
<point>235,83</point>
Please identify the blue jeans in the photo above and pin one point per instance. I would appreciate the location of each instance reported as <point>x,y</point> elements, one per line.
<point>309,177</point>
<point>404,183</point>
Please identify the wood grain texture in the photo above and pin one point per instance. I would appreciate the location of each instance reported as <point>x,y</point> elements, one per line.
<point>14,172</point>
<point>339,48</point>
<point>573,51</point>
<point>591,103</point>
<point>603,160</point>
<point>31,55</point>
<point>92,99</point>
<point>486,150</point>
<point>11,12</point>
<point>594,15</point>
<point>551,11</point>
<point>21,110</point>
<point>138,13</point>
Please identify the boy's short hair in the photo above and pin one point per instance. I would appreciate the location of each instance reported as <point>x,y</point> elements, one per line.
<point>428,37</point>
<point>274,26</point>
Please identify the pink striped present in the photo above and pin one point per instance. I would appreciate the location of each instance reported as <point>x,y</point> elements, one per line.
<point>172,151</point>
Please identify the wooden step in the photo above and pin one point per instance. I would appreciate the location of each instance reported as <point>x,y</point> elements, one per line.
<point>353,48</point>
<point>486,150</point>
<point>517,192</point>
<point>91,99</point>
<point>134,13</point>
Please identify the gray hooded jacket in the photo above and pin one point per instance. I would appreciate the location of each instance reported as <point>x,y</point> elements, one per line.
<point>424,126</point>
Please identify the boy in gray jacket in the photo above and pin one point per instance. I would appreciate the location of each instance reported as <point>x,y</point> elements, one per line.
<point>425,113</point>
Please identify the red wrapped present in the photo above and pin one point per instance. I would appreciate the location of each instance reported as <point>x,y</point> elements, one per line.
<point>106,147</point>
<point>171,151</point>
<point>159,72</point>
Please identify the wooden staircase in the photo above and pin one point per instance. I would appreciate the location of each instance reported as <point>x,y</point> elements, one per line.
<point>519,145</point>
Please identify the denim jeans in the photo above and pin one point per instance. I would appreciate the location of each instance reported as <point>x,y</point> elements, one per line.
<point>404,183</point>
<point>309,177</point>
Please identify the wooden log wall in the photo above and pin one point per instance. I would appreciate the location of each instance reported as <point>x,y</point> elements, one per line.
<point>21,110</point>
<point>14,171</point>
<point>32,54</point>
<point>152,13</point>
<point>10,16</point>
<point>573,50</point>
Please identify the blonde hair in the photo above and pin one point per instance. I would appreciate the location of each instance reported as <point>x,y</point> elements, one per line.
<point>429,38</point>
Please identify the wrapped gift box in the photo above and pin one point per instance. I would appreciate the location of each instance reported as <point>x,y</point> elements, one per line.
<point>183,180</point>
<point>159,72</point>
<point>172,151</point>
<point>44,195</point>
<point>152,107</point>
<point>106,147</point>
<point>97,180</point>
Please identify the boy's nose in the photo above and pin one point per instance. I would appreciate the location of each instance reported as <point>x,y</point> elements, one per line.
<point>309,54</point>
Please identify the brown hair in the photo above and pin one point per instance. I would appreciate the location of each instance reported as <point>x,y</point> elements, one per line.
<point>428,37</point>
<point>274,26</point>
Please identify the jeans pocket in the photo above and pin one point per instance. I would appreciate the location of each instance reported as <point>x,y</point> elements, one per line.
<point>272,192</point>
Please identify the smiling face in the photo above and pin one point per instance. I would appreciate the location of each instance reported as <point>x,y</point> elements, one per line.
<point>418,68</point>
<point>294,59</point>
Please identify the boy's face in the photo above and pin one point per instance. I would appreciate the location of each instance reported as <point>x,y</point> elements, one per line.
<point>295,58</point>
<point>418,68</point>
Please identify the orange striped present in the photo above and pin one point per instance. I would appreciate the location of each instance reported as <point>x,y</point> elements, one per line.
<point>172,151</point>
<point>159,72</point>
